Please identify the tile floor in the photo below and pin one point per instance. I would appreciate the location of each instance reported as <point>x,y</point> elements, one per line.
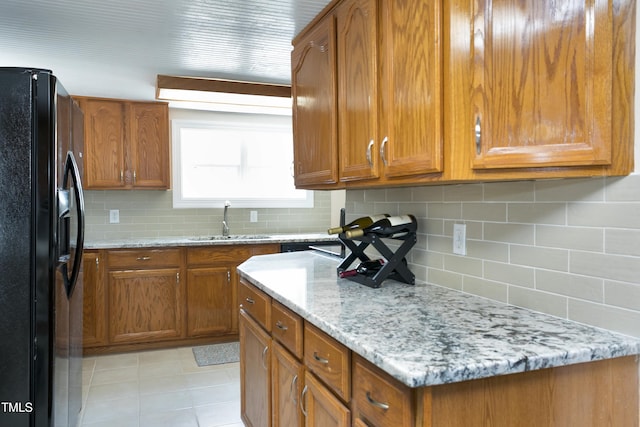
<point>159,388</point>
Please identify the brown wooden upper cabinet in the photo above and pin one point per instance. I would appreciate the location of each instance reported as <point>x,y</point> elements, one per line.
<point>385,74</point>
<point>458,91</point>
<point>542,83</point>
<point>315,146</point>
<point>126,144</point>
<point>389,89</point>
<point>540,89</point>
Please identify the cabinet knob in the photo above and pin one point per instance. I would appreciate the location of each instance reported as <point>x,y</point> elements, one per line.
<point>478,132</point>
<point>293,389</point>
<point>264,354</point>
<point>382,147</point>
<point>373,402</point>
<point>369,159</point>
<point>302,401</point>
<point>320,359</point>
<point>143,258</point>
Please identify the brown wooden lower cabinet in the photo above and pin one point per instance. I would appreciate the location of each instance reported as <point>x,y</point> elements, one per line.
<point>160,297</point>
<point>94,313</point>
<point>255,373</point>
<point>145,305</point>
<point>323,409</point>
<point>210,301</point>
<point>287,376</point>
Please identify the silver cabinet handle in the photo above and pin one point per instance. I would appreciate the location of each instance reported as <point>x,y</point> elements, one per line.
<point>249,300</point>
<point>228,276</point>
<point>302,401</point>
<point>177,278</point>
<point>382,146</point>
<point>293,388</point>
<point>478,132</point>
<point>281,326</point>
<point>134,177</point>
<point>377,404</point>
<point>264,353</point>
<point>143,258</point>
<point>97,263</point>
<point>121,175</point>
<point>369,159</point>
<point>320,359</point>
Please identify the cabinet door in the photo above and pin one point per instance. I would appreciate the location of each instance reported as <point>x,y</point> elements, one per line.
<point>145,305</point>
<point>255,373</point>
<point>94,326</point>
<point>322,408</point>
<point>542,82</point>
<point>411,87</point>
<point>357,90</point>
<point>149,145</point>
<point>104,162</point>
<point>314,91</point>
<point>209,301</point>
<point>287,381</point>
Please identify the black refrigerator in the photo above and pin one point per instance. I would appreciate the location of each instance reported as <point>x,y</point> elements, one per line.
<point>41,243</point>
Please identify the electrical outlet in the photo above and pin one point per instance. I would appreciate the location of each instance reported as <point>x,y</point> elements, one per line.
<point>459,239</point>
<point>253,216</point>
<point>114,216</point>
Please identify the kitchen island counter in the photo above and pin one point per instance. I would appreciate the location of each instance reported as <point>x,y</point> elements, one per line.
<point>426,335</point>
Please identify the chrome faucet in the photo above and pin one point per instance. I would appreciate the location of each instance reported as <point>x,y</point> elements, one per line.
<point>225,226</point>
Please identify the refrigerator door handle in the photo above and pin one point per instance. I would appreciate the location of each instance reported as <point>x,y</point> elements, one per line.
<point>64,221</point>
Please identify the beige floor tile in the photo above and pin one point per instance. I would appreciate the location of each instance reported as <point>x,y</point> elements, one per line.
<point>180,418</point>
<point>159,369</point>
<point>215,394</point>
<point>159,388</point>
<point>165,402</point>
<point>219,414</point>
<point>108,376</point>
<point>112,409</point>
<point>116,361</point>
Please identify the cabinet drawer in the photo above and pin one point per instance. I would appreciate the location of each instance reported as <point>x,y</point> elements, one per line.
<point>256,303</point>
<point>210,255</point>
<point>144,258</point>
<point>286,327</point>
<point>378,398</point>
<point>328,359</point>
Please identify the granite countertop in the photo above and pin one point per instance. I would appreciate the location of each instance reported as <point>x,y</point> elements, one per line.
<point>425,334</point>
<point>209,240</point>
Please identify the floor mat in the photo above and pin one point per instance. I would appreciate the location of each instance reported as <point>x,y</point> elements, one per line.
<point>216,354</point>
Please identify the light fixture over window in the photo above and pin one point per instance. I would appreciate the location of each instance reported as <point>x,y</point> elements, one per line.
<point>224,95</point>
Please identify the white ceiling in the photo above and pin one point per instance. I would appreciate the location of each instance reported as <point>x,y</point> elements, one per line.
<point>115,48</point>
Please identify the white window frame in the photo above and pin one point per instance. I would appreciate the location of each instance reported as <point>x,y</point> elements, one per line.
<point>227,121</point>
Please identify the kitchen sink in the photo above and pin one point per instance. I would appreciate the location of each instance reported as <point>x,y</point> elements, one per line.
<point>231,237</point>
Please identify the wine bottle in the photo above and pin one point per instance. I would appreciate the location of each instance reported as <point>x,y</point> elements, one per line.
<point>367,268</point>
<point>386,227</point>
<point>365,221</point>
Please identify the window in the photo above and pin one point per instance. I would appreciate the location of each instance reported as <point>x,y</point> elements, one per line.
<point>244,158</point>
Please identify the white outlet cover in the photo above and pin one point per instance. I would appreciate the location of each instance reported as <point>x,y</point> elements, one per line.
<point>114,216</point>
<point>460,239</point>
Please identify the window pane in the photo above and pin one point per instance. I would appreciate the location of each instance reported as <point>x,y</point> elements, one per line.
<point>248,162</point>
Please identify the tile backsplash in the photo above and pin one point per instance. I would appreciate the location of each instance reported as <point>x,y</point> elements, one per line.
<point>149,214</point>
<point>569,248</point>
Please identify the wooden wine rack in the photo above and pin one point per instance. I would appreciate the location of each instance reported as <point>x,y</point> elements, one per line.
<point>394,268</point>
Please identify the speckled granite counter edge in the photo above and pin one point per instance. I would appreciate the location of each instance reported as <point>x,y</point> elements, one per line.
<point>160,242</point>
